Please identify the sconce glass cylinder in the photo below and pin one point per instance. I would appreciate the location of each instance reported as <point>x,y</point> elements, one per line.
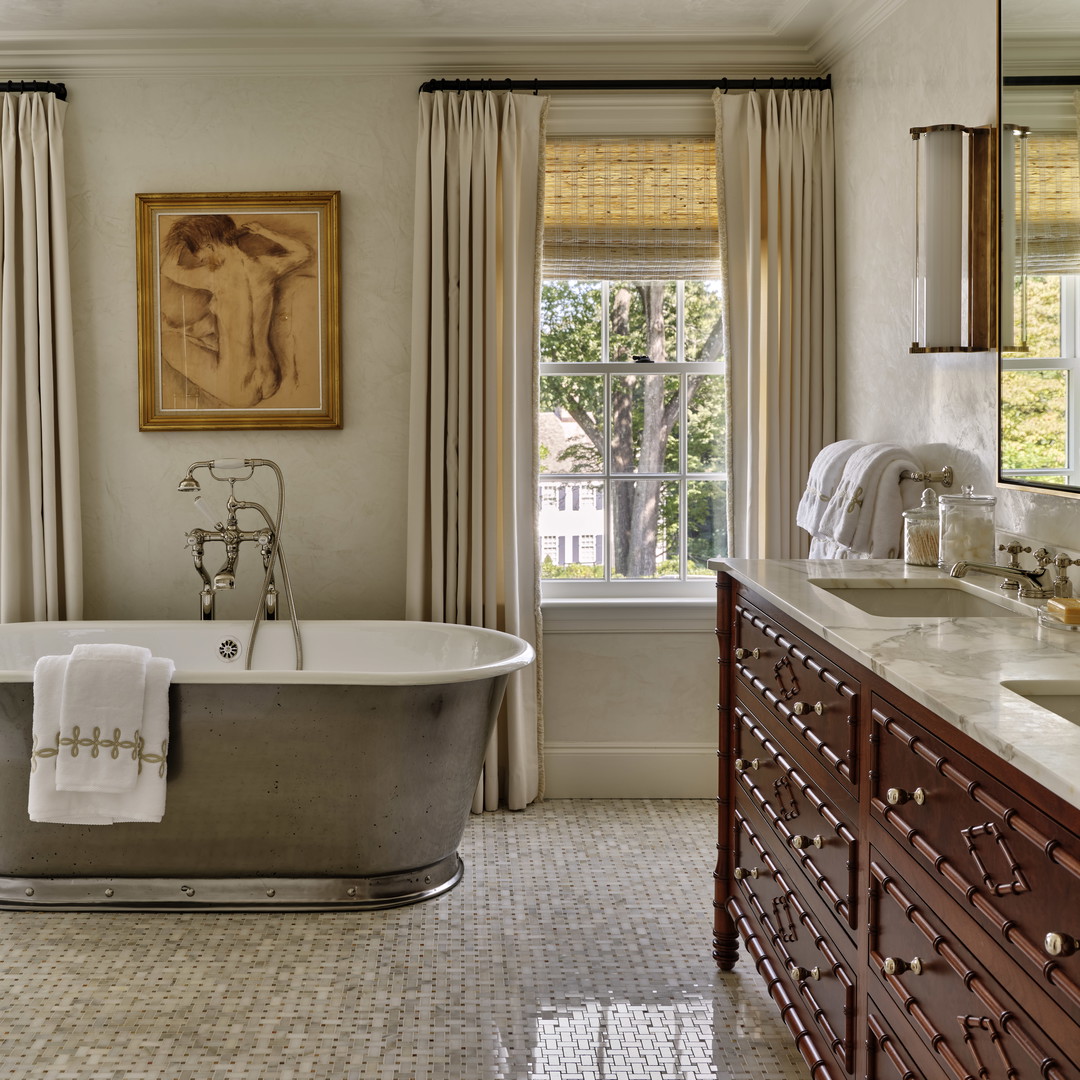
<point>1013,198</point>
<point>953,219</point>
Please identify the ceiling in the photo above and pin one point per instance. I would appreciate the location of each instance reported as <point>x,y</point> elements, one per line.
<point>802,31</point>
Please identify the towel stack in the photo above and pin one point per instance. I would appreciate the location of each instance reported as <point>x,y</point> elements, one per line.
<point>101,733</point>
<point>854,501</point>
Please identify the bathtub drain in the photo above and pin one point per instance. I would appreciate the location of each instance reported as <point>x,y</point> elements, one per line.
<point>229,650</point>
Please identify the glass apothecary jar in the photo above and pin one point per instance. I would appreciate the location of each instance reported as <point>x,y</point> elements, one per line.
<point>966,523</point>
<point>921,531</point>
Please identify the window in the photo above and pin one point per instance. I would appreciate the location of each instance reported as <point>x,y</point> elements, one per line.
<point>632,377</point>
<point>1040,386</point>
<point>1040,413</point>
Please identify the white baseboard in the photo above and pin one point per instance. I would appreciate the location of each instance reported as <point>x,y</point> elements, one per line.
<point>629,771</point>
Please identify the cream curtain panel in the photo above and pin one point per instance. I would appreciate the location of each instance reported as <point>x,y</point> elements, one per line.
<point>776,178</point>
<point>40,530</point>
<point>472,548</point>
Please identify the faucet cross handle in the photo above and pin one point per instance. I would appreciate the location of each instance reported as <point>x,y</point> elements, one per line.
<point>1062,584</point>
<point>1042,557</point>
<point>1014,549</point>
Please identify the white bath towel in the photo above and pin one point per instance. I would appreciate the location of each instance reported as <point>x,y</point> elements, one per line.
<point>100,718</point>
<point>864,519</point>
<point>825,473</point>
<point>145,801</point>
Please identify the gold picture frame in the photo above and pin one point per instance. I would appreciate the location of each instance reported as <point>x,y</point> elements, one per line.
<point>239,310</point>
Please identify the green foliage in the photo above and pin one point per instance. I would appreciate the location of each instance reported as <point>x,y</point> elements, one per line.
<point>1034,402</point>
<point>551,570</point>
<point>1033,420</point>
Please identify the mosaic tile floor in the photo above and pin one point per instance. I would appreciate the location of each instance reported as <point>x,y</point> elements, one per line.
<point>576,948</point>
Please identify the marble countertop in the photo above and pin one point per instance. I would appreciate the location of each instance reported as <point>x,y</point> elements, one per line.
<point>954,666</point>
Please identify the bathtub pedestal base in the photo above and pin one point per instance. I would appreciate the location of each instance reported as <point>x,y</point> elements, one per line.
<point>230,894</point>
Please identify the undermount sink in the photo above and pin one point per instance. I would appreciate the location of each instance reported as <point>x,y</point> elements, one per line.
<point>1061,696</point>
<point>947,599</point>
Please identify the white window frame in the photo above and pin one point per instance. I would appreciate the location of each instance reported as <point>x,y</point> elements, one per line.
<point>1069,362</point>
<point>637,588</point>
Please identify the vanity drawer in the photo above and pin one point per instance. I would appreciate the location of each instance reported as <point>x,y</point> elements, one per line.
<point>1012,867</point>
<point>804,690</point>
<point>889,1057</point>
<point>820,977</point>
<point>972,1026</point>
<point>803,820</point>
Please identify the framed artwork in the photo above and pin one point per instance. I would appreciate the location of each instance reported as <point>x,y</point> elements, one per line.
<point>239,310</point>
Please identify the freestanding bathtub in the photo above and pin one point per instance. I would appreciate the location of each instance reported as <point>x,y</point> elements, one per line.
<point>345,785</point>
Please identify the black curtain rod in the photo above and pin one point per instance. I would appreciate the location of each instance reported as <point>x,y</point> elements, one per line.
<point>59,89</point>
<point>1041,80</point>
<point>536,85</point>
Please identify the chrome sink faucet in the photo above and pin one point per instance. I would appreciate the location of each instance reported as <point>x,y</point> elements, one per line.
<point>1028,580</point>
<point>229,533</point>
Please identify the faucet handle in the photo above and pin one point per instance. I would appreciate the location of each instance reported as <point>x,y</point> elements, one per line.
<point>1042,557</point>
<point>1062,584</point>
<point>1014,548</point>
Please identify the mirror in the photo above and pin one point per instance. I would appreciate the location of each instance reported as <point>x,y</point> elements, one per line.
<point>1039,414</point>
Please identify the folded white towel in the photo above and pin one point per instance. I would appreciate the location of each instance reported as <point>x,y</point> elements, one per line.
<point>145,801</point>
<point>825,473</point>
<point>100,718</point>
<point>864,519</point>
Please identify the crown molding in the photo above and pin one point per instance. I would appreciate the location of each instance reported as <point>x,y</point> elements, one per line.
<point>849,28</point>
<point>305,53</point>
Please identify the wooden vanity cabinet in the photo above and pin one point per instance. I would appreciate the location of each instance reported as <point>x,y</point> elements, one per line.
<point>896,884</point>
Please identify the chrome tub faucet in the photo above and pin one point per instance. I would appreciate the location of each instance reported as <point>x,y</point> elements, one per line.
<point>229,533</point>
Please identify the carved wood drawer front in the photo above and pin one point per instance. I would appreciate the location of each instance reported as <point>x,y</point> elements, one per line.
<point>818,974</point>
<point>964,1017</point>
<point>808,693</point>
<point>1015,869</point>
<point>889,1057</point>
<point>803,820</point>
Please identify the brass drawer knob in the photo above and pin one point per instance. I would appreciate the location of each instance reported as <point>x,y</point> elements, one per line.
<point>742,654</point>
<point>742,872</point>
<point>1060,944</point>
<point>895,966</point>
<point>742,764</point>
<point>799,974</point>
<point>897,796</point>
<point>800,842</point>
<point>801,707</point>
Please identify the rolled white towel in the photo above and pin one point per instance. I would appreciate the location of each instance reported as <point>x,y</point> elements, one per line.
<point>825,473</point>
<point>864,514</point>
<point>101,717</point>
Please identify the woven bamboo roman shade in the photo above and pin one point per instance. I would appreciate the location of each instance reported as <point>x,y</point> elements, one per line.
<point>636,209</point>
<point>1053,203</point>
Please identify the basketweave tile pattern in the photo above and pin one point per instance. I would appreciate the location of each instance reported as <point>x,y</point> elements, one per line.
<point>576,948</point>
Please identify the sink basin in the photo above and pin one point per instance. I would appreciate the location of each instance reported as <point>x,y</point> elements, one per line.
<point>1061,696</point>
<point>923,600</point>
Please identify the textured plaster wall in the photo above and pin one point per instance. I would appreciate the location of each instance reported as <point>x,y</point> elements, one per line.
<point>345,505</point>
<point>927,63</point>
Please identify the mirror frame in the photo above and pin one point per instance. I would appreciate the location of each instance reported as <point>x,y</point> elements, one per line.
<point>1006,482</point>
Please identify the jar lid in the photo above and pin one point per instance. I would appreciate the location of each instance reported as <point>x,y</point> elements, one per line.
<point>968,498</point>
<point>928,509</point>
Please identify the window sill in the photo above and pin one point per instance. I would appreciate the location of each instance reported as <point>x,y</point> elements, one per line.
<point>629,615</point>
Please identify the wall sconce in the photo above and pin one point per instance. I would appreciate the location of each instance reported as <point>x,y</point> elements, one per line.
<point>955,301</point>
<point>1014,241</point>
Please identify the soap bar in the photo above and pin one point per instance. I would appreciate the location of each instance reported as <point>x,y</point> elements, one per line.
<point>1068,611</point>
